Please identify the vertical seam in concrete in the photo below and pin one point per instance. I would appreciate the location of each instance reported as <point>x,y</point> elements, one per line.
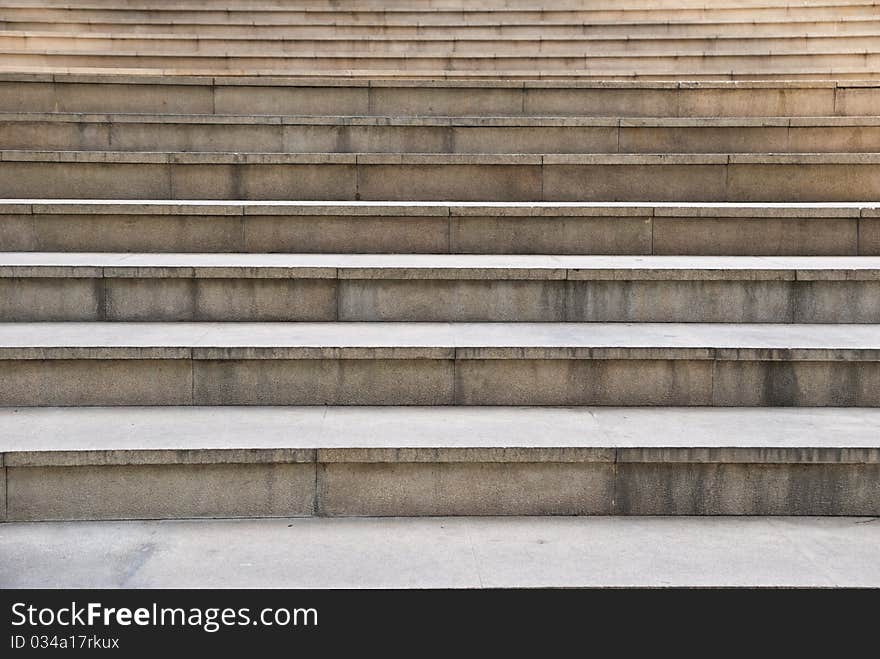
<point>34,229</point>
<point>449,246</point>
<point>727,179</point>
<point>102,296</point>
<point>336,285</point>
<point>214,96</point>
<point>834,100</point>
<point>5,489</point>
<point>316,500</point>
<point>618,136</point>
<point>192,378</point>
<point>242,231</point>
<point>652,220</point>
<point>712,379</point>
<point>859,233</point>
<point>542,178</point>
<point>612,509</point>
<point>454,380</point>
<point>357,178</point>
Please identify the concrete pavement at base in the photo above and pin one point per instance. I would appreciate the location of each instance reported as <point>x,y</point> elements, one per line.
<point>443,553</point>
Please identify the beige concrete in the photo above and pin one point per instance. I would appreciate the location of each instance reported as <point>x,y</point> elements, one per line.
<point>219,299</point>
<point>770,236</point>
<point>869,235</point>
<point>96,382</point>
<point>464,182</point>
<point>163,492</point>
<point>806,383</point>
<point>51,299</point>
<point>465,489</point>
<point>181,94</point>
<point>532,228</point>
<point>737,489</point>
<point>506,177</point>
<point>445,300</point>
<point>205,133</point>
<point>323,382</point>
<point>550,235</point>
<point>582,382</point>
<point>272,233</point>
<point>669,182</point>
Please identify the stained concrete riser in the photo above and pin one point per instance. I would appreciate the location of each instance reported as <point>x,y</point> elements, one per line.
<point>419,489</point>
<point>267,299</point>
<point>624,382</point>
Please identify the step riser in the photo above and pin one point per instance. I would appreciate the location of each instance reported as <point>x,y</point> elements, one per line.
<point>352,99</point>
<point>290,299</point>
<point>313,138</point>
<point>471,16</point>
<point>623,234</point>
<point>626,382</point>
<point>595,487</point>
<point>737,181</point>
<point>684,65</point>
<point>538,46</point>
<point>67,25</point>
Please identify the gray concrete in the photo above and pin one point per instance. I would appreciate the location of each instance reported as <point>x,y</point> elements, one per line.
<point>746,177</point>
<point>242,96</point>
<point>329,134</point>
<point>702,341</point>
<point>358,287</point>
<point>26,434</point>
<point>438,364</point>
<point>86,463</point>
<point>443,552</point>
<point>159,492</point>
<point>435,227</point>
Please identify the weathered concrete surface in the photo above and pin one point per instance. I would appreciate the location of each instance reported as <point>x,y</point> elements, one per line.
<point>793,229</point>
<point>358,287</point>
<point>443,553</point>
<point>35,431</point>
<point>439,364</point>
<point>160,492</point>
<point>88,463</point>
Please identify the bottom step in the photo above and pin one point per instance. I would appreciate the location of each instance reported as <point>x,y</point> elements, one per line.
<point>488,552</point>
<point>176,462</point>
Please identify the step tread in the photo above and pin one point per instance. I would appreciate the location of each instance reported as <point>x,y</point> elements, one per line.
<point>430,266</point>
<point>442,121</point>
<point>433,340</point>
<point>90,435</point>
<point>366,158</point>
<point>420,208</point>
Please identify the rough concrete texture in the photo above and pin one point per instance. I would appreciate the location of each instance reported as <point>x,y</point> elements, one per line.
<point>443,553</point>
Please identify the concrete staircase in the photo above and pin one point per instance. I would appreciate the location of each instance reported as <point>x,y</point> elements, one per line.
<point>636,38</point>
<point>368,284</point>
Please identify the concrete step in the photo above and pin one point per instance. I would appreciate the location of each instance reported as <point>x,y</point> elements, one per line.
<point>398,134</point>
<point>71,364</point>
<point>257,27</point>
<point>509,552</point>
<point>172,462</point>
<point>460,228</point>
<point>249,96</point>
<point>718,63</point>
<point>798,177</point>
<point>357,287</point>
<point>538,46</point>
<point>461,14</point>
